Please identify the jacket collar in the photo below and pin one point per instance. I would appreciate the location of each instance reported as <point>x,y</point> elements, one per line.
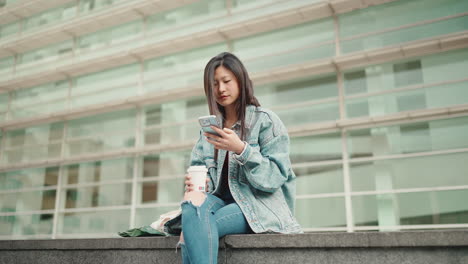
<point>250,109</point>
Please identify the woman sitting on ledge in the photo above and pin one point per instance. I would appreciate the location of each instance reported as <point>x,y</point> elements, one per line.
<point>251,186</point>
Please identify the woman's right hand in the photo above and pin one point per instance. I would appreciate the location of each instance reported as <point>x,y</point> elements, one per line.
<point>189,184</point>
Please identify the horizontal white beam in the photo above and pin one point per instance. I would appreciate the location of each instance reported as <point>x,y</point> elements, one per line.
<point>27,8</point>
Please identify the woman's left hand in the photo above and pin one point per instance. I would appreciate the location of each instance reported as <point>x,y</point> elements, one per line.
<point>228,140</point>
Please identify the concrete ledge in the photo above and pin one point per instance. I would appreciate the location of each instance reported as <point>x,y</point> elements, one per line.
<point>453,238</point>
<point>347,240</point>
<point>363,247</point>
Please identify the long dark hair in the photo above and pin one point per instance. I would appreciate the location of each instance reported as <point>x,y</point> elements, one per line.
<point>246,93</point>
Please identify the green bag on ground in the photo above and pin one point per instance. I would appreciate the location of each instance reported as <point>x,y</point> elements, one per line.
<point>141,231</point>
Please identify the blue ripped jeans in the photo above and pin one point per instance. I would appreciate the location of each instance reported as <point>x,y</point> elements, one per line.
<point>203,225</point>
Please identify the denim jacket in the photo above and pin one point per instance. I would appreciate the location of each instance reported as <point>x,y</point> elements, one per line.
<point>260,178</point>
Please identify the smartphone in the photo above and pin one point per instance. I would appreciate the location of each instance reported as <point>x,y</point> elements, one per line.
<point>206,122</point>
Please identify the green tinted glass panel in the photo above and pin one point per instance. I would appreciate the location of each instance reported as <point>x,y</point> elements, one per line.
<point>431,70</point>
<point>41,177</point>
<point>31,153</point>
<point>416,172</point>
<point>21,225</point>
<point>27,201</point>
<point>3,106</point>
<point>425,98</point>
<point>196,107</point>
<point>97,223</point>
<point>6,64</point>
<point>39,100</point>
<point>54,50</point>
<point>103,132</point>
<point>189,60</point>
<point>167,164</point>
<point>98,171</point>
<point>186,14</point>
<point>419,208</point>
<point>117,83</point>
<point>396,14</point>
<point>297,91</point>
<point>315,148</point>
<point>320,179</point>
<point>42,134</point>
<point>183,80</point>
<point>419,32</point>
<point>409,138</point>
<point>309,114</point>
<point>97,196</point>
<point>33,144</point>
<point>163,191</point>
<point>174,122</point>
<point>266,50</point>
<point>172,133</point>
<point>10,29</point>
<point>333,216</point>
<point>50,16</point>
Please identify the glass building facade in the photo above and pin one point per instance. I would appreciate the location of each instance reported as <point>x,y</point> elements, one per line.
<point>99,102</point>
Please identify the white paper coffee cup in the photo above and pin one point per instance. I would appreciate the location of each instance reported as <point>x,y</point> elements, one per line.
<point>198,176</point>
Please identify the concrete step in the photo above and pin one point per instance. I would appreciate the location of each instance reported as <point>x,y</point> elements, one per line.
<point>425,247</point>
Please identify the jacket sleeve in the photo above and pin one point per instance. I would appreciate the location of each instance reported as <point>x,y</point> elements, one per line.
<point>198,159</point>
<point>267,166</point>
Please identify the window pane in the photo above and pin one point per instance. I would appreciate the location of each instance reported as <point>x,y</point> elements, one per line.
<point>322,179</point>
<point>41,177</point>
<point>304,42</point>
<point>10,29</point>
<point>420,208</point>
<point>296,91</point>
<point>94,223</point>
<point>27,201</point>
<point>442,75</point>
<point>113,84</point>
<point>174,133</point>
<point>43,99</point>
<point>33,143</point>
<point>417,172</point>
<point>166,164</point>
<point>17,225</point>
<point>96,196</point>
<point>316,148</point>
<point>397,14</point>
<point>3,106</point>
<point>309,114</point>
<point>409,138</point>
<point>100,133</point>
<point>98,171</point>
<point>163,191</point>
<point>187,14</point>
<point>425,98</point>
<point>174,122</point>
<point>334,216</point>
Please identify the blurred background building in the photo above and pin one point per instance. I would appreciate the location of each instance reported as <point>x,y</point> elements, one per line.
<point>99,102</point>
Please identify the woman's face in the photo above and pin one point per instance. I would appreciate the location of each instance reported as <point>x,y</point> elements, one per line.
<point>226,88</point>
